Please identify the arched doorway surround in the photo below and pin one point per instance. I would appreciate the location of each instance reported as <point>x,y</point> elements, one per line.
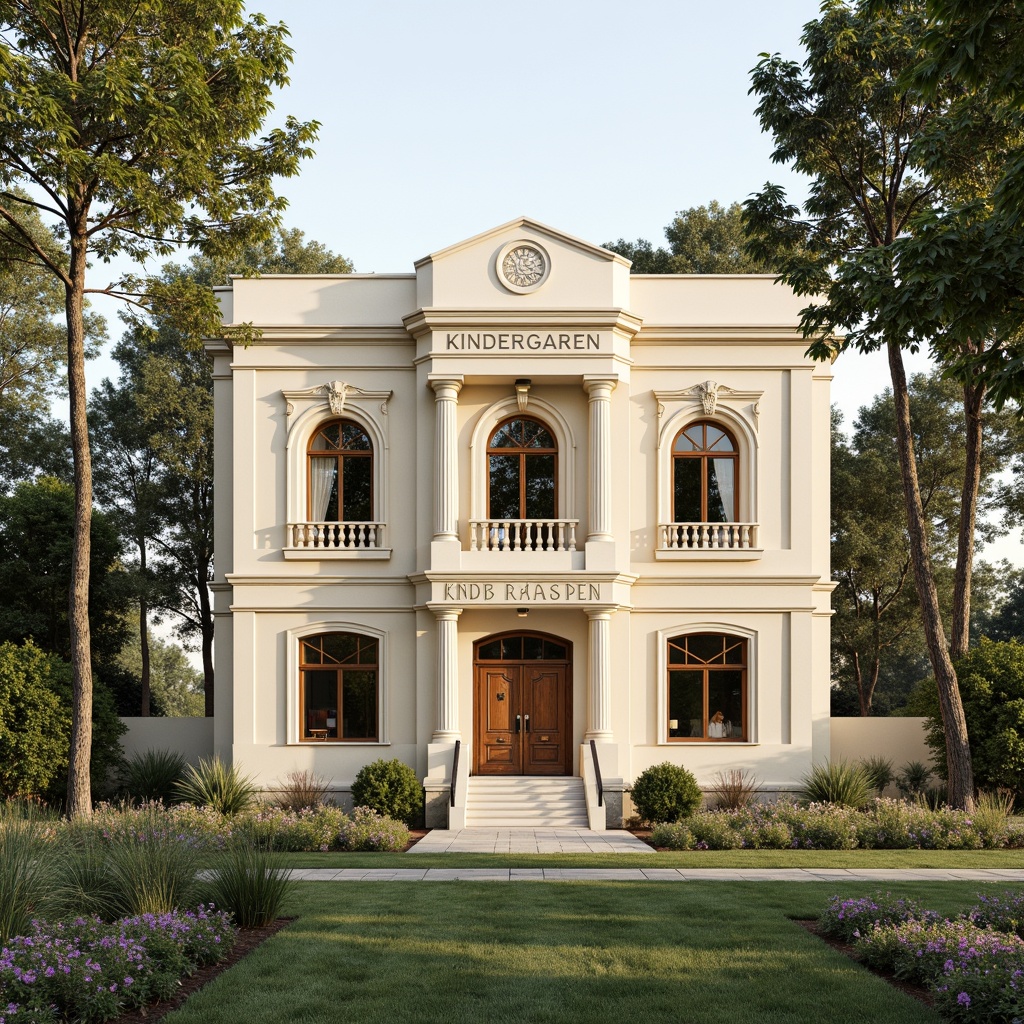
<point>522,704</point>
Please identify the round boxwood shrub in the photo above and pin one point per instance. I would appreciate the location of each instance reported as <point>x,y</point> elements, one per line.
<point>666,792</point>
<point>391,788</point>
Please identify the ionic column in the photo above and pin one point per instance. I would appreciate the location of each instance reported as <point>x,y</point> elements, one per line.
<point>446,728</point>
<point>446,458</point>
<point>599,675</point>
<point>599,495</point>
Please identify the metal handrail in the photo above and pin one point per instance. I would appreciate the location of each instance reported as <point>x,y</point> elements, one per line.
<point>455,770</point>
<point>597,773</point>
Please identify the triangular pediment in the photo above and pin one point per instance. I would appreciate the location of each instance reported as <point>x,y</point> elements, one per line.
<point>523,264</point>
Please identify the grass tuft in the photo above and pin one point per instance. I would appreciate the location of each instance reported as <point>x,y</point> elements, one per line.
<point>218,785</point>
<point>251,883</point>
<point>837,782</point>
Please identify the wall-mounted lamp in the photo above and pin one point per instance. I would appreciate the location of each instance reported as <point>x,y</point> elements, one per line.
<point>522,390</point>
<point>522,612</point>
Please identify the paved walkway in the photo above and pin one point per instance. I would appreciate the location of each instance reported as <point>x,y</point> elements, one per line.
<point>529,840</point>
<point>1005,876</point>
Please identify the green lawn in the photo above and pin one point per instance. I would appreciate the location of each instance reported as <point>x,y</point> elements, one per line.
<point>571,953</point>
<point>695,859</point>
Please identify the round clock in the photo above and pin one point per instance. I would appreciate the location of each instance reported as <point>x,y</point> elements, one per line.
<point>522,266</point>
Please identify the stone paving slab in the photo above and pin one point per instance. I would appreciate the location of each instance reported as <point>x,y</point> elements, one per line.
<point>646,874</point>
<point>528,840</point>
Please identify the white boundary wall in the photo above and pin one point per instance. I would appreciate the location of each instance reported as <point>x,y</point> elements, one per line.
<point>192,737</point>
<point>900,739</point>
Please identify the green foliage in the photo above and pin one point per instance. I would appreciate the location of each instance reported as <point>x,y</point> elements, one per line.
<point>837,782</point>
<point>368,831</point>
<point>846,919</point>
<point>26,877</point>
<point>702,240</point>
<point>153,775</point>
<point>879,770</point>
<point>391,788</point>
<point>912,779</point>
<point>251,883</point>
<point>992,689</point>
<point>36,540</point>
<point>665,792</point>
<point>217,785</point>
<point>35,727</point>
<point>176,686</point>
<point>734,788</point>
<point>303,830</point>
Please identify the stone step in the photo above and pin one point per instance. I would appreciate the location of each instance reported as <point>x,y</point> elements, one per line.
<point>525,802</point>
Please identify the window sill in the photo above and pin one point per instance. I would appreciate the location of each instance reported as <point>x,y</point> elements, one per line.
<point>708,554</point>
<point>344,744</point>
<point>332,554</point>
<point>707,743</point>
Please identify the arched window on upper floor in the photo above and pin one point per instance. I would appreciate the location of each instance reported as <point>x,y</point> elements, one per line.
<point>705,463</point>
<point>340,474</point>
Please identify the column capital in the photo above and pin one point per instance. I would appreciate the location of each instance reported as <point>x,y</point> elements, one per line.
<point>445,612</point>
<point>601,611</point>
<point>445,385</point>
<point>600,385</point>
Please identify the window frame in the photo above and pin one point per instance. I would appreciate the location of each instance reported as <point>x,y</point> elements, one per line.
<point>522,454</point>
<point>339,454</point>
<point>295,710</point>
<point>703,455</point>
<point>750,690</point>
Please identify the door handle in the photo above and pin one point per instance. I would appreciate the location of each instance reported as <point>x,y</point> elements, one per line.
<point>519,722</point>
<point>527,717</point>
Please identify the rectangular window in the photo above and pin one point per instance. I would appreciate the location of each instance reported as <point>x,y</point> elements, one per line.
<point>338,680</point>
<point>707,687</point>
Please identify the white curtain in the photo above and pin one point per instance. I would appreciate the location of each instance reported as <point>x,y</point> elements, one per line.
<point>726,486</point>
<point>321,486</point>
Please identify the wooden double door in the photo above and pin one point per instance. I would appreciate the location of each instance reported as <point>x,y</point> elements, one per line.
<point>523,718</point>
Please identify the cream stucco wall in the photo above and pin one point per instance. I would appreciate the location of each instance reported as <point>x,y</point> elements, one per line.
<point>630,349</point>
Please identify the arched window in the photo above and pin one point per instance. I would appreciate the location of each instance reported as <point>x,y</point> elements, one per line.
<point>707,687</point>
<point>521,470</point>
<point>340,457</point>
<point>704,475</point>
<point>338,678</point>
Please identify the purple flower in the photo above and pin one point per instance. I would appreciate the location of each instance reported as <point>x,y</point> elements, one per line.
<point>964,999</point>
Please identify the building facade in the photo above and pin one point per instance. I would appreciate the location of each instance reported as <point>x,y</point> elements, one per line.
<point>514,502</point>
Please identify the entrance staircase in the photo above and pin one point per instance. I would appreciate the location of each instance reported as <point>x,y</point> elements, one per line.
<point>525,801</point>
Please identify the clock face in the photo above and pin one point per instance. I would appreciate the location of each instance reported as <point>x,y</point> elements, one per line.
<point>522,266</point>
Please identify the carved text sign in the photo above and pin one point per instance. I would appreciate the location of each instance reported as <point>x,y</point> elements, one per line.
<point>527,593</point>
<point>521,341</point>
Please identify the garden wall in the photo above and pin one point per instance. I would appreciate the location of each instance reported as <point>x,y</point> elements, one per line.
<point>900,739</point>
<point>192,737</point>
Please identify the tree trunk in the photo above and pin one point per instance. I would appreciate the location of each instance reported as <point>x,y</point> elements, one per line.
<point>954,724</point>
<point>144,650</point>
<point>974,396</point>
<point>79,796</point>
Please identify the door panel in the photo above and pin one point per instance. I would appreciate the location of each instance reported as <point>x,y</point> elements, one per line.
<point>499,751</point>
<point>545,740</point>
<point>522,719</point>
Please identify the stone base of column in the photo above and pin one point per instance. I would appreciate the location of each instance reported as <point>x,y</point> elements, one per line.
<point>600,555</point>
<point>446,554</point>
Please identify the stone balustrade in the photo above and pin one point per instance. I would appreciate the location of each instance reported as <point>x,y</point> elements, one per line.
<point>522,534</point>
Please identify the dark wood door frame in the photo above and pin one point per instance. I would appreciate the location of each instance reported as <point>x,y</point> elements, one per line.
<point>522,716</point>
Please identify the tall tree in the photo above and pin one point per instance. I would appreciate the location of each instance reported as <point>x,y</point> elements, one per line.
<point>702,240</point>
<point>876,607</point>
<point>134,126</point>
<point>169,378</point>
<point>842,118</point>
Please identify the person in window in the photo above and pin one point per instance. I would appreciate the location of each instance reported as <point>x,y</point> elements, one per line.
<point>717,727</point>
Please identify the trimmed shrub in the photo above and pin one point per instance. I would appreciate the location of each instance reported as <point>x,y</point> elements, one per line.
<point>837,782</point>
<point>390,788</point>
<point>153,775</point>
<point>666,792</point>
<point>218,785</point>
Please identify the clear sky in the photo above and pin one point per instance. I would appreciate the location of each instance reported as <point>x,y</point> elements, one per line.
<point>602,119</point>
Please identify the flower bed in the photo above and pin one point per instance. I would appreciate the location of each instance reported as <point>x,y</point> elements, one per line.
<point>974,964</point>
<point>90,971</point>
<point>885,825</point>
